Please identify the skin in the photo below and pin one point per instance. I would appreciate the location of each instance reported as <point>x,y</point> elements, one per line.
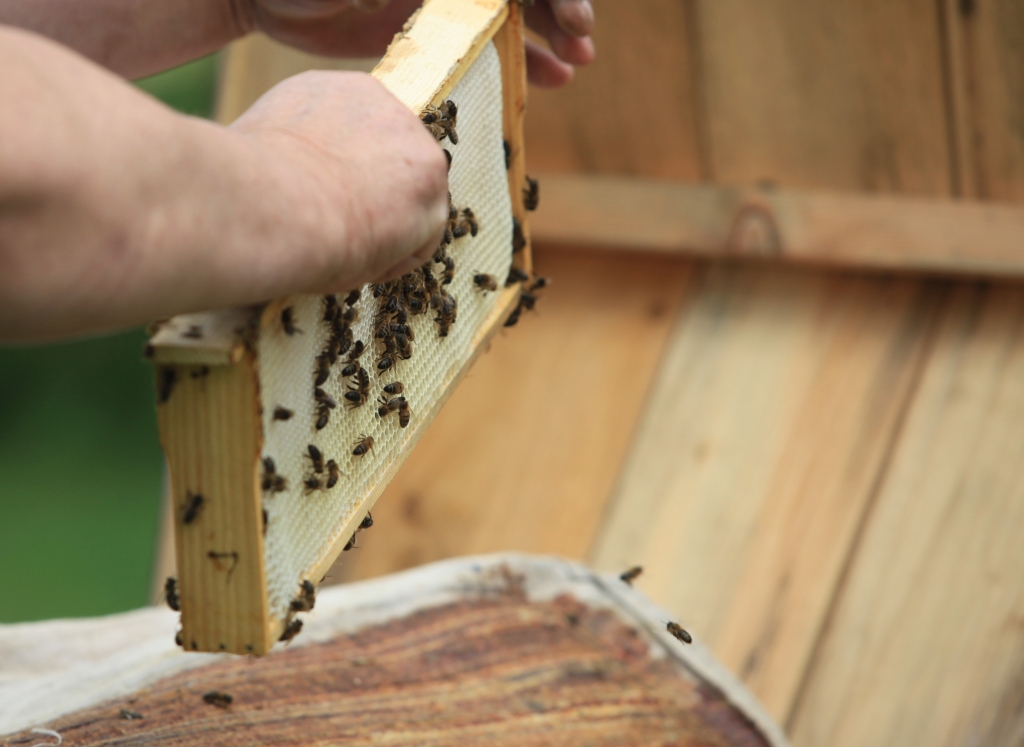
<point>115,210</point>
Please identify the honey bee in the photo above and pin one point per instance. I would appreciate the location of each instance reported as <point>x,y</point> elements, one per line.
<point>353,297</point>
<point>403,413</point>
<point>385,364</point>
<point>518,237</point>
<point>331,310</point>
<point>531,194</point>
<point>291,630</point>
<point>388,405</point>
<point>403,346</point>
<point>194,332</point>
<point>527,300</point>
<point>539,284</point>
<point>167,377</point>
<point>678,633</point>
<point>446,314</point>
<point>272,482</point>
<point>485,282</point>
<point>469,220</point>
<point>363,445</point>
<point>217,698</point>
<point>356,353</point>
<point>193,503</point>
<point>282,413</point>
<point>324,398</point>
<point>449,271</point>
<point>323,369</point>
<point>395,387</point>
<point>354,398</point>
<point>288,321</point>
<point>349,370</point>
<point>513,318</point>
<point>516,275</point>
<point>508,153</point>
<point>316,458</point>
<point>333,473</point>
<point>350,315</point>
<point>266,520</point>
<point>323,417</point>
<point>312,483</point>
<point>351,542</point>
<point>171,593</point>
<point>367,521</point>
<point>448,158</point>
<point>632,574</point>
<point>306,599</point>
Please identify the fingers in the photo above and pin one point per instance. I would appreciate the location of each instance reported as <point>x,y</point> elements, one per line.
<point>544,69</point>
<point>570,47</point>
<point>574,16</point>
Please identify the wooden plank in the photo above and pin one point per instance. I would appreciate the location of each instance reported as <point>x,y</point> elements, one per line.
<point>455,33</point>
<point>986,88</point>
<point>807,226</point>
<point>210,430</point>
<point>551,411</point>
<point>512,53</point>
<point>757,452</point>
<point>925,644</point>
<point>842,95</point>
<point>627,113</point>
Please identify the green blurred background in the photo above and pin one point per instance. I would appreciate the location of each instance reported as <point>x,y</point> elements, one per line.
<point>80,464</point>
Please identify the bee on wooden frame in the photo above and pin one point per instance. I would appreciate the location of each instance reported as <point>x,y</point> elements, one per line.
<point>353,297</point>
<point>272,482</point>
<point>388,405</point>
<point>531,194</point>
<point>485,282</point>
<point>316,457</point>
<point>333,473</point>
<point>306,599</point>
<point>288,321</point>
<point>363,445</point>
<point>171,593</point>
<point>193,503</point>
<point>290,630</point>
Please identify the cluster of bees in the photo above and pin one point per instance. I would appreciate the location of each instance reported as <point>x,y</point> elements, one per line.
<point>423,291</point>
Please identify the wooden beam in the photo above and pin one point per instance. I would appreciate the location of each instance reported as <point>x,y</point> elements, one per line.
<point>809,226</point>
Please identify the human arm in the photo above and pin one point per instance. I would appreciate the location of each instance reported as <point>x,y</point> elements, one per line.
<point>114,210</point>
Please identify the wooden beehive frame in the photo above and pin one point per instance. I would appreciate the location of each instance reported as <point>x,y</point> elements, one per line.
<point>209,405</point>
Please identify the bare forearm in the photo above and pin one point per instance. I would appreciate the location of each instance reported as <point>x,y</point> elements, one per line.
<point>132,37</point>
<point>114,210</point>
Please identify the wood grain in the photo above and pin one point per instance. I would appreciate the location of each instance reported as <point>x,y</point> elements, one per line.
<point>842,95</point>
<point>986,88</point>
<point>210,430</point>
<point>526,452</point>
<point>491,669</point>
<point>932,605</point>
<point>817,227</point>
<point>633,111</point>
<point>776,400</point>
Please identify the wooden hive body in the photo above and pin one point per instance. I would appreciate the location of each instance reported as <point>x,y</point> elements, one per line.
<point>246,551</point>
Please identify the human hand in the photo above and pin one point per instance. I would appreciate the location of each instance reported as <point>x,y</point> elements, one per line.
<point>374,178</point>
<point>364,28</point>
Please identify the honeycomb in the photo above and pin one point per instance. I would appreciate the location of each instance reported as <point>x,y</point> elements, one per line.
<point>303,524</point>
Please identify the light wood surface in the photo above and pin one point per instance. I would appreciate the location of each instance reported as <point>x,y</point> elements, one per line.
<point>932,604</point>
<point>210,430</point>
<point>762,442</point>
<point>890,232</point>
<point>525,454</point>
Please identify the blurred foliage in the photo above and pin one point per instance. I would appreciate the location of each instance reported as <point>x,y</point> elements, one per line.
<point>80,465</point>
